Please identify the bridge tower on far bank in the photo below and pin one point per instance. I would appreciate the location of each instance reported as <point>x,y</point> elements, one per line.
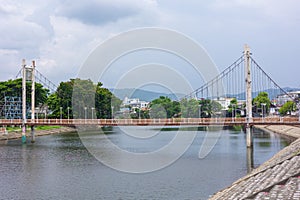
<point>248,95</point>
<point>28,74</point>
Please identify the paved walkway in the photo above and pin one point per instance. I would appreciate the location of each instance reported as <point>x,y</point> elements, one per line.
<point>278,178</point>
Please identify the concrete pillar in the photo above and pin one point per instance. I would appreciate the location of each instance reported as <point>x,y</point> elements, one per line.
<point>248,95</point>
<point>250,162</point>
<point>248,83</point>
<point>249,136</point>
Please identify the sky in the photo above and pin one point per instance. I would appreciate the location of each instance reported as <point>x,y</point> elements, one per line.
<point>60,34</point>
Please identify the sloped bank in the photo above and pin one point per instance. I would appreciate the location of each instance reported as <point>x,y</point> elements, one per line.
<point>12,135</point>
<point>277,178</point>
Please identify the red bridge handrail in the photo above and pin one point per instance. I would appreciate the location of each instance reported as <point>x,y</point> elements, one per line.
<point>154,122</point>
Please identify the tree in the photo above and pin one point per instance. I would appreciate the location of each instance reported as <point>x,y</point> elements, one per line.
<point>140,114</point>
<point>13,88</point>
<point>209,108</point>
<point>158,111</point>
<point>216,108</point>
<point>164,107</point>
<point>205,107</point>
<point>287,108</point>
<point>232,106</point>
<point>83,97</point>
<point>261,99</point>
<point>189,108</point>
<point>106,102</point>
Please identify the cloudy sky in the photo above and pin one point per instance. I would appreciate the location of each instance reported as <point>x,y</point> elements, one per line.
<point>60,34</point>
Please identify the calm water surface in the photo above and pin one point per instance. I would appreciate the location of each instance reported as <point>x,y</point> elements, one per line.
<point>59,167</point>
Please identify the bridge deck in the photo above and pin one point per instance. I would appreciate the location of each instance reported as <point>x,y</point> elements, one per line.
<point>155,122</point>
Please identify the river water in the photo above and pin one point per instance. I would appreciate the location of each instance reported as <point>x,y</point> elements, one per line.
<point>60,167</point>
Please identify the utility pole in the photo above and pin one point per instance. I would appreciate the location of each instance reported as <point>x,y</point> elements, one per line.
<point>248,95</point>
<point>24,101</point>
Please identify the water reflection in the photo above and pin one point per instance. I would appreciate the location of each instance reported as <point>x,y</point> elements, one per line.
<point>250,160</point>
<point>59,167</point>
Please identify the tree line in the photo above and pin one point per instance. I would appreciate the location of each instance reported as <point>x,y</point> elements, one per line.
<point>164,107</point>
<point>79,98</point>
<point>61,104</point>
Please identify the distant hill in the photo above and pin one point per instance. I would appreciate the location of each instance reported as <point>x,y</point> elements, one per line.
<point>273,93</point>
<point>146,95</point>
<point>143,95</point>
<point>288,89</point>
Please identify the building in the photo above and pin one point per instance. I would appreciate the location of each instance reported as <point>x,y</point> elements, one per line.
<point>283,98</point>
<point>224,101</point>
<point>135,103</point>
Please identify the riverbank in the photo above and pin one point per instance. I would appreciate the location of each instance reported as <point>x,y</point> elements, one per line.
<point>13,135</point>
<point>277,178</point>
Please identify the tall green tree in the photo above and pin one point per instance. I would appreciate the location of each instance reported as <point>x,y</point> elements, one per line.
<point>287,108</point>
<point>209,108</point>
<point>164,107</point>
<point>106,102</point>
<point>13,88</point>
<point>216,108</point>
<point>81,98</point>
<point>189,108</point>
<point>232,106</point>
<point>262,98</point>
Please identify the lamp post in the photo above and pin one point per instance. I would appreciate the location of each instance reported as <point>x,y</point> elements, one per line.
<point>263,111</point>
<point>232,112</point>
<point>93,113</point>
<point>200,112</point>
<point>299,110</point>
<point>139,114</point>
<point>85,108</point>
<point>37,114</point>
<point>45,111</point>
<point>60,114</point>
<point>112,112</point>
<point>235,108</point>
<point>68,108</point>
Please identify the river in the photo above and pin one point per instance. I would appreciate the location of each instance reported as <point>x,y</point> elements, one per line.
<point>60,167</point>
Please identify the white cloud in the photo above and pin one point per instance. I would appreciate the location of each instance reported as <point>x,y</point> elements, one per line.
<point>271,9</point>
<point>60,34</point>
<point>99,12</point>
<point>59,40</point>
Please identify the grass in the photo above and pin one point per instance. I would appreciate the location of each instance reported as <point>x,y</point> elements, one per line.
<point>47,127</point>
<point>18,128</point>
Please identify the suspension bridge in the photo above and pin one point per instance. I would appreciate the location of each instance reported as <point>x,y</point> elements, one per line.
<point>242,80</point>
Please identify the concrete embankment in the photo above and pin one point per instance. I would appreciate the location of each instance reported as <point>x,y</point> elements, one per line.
<point>278,178</point>
<point>286,131</point>
<point>18,134</point>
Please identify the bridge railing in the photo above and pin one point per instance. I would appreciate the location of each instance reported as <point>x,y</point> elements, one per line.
<point>159,122</point>
<point>10,121</point>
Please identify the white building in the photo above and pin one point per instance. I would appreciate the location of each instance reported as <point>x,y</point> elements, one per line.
<point>135,103</point>
<point>224,101</point>
<point>282,99</point>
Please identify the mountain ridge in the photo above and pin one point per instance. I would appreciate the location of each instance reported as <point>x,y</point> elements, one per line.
<point>143,95</point>
<point>147,95</point>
